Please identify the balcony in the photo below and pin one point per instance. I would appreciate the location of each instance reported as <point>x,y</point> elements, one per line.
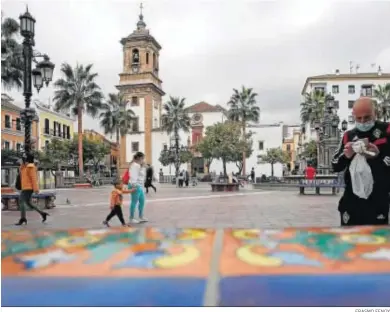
<point>56,134</point>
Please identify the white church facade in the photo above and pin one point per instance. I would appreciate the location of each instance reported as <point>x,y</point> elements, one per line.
<point>141,84</point>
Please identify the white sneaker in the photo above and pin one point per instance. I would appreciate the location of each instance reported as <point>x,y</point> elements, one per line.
<point>134,221</point>
<point>142,220</point>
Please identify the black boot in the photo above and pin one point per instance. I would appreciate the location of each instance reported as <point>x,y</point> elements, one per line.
<point>21,221</point>
<point>44,216</point>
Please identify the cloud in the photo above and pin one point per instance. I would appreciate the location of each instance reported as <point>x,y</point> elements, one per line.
<point>214,46</point>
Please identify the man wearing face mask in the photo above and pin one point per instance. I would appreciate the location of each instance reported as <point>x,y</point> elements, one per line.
<point>375,209</point>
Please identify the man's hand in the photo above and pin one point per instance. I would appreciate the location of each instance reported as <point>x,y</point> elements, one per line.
<point>348,151</point>
<point>373,149</point>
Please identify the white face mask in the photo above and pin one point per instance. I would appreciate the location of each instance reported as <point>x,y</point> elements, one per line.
<point>366,126</point>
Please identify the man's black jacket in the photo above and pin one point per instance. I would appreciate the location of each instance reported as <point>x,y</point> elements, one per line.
<point>380,165</point>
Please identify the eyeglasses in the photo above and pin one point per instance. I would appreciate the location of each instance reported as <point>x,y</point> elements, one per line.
<point>363,119</point>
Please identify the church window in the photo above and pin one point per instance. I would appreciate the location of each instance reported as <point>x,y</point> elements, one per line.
<point>135,56</point>
<point>135,125</point>
<point>134,101</point>
<point>147,57</point>
<point>134,146</point>
<point>154,60</point>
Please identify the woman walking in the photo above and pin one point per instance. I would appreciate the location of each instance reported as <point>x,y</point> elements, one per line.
<point>136,181</point>
<point>149,179</point>
<point>28,185</point>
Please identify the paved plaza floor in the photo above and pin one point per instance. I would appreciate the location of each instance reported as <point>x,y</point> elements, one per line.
<point>190,207</point>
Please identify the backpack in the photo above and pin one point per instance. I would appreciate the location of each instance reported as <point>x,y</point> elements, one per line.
<point>126,177</point>
<point>18,182</point>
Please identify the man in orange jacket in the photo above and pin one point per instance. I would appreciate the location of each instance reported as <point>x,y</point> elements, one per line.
<point>29,185</point>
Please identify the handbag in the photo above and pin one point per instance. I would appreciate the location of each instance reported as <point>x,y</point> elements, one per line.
<point>18,182</point>
<point>126,177</point>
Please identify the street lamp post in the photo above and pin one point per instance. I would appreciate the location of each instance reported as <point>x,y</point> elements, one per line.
<point>174,152</point>
<point>42,73</point>
<point>328,134</point>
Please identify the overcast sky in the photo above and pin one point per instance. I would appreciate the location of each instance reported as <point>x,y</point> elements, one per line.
<point>210,47</point>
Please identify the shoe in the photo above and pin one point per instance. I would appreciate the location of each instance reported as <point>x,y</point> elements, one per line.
<point>21,221</point>
<point>143,220</point>
<point>134,221</point>
<point>106,223</point>
<point>44,216</point>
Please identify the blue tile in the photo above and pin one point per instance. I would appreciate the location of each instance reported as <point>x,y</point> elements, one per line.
<point>66,292</point>
<point>306,290</point>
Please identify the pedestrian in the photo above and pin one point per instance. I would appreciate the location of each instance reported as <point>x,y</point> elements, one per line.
<point>136,182</point>
<point>181,178</point>
<point>116,203</point>
<point>28,185</point>
<point>253,175</point>
<point>149,179</point>
<point>186,178</point>
<point>375,209</point>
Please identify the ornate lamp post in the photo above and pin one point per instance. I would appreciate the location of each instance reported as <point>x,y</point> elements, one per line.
<point>42,73</point>
<point>328,134</point>
<point>174,152</point>
<point>344,125</point>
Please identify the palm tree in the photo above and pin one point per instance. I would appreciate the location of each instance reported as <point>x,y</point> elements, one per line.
<point>382,96</point>
<point>242,109</point>
<point>116,119</point>
<point>174,119</point>
<point>313,108</point>
<point>78,92</point>
<point>11,54</point>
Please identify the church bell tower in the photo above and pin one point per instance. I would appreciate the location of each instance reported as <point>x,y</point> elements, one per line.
<point>139,82</point>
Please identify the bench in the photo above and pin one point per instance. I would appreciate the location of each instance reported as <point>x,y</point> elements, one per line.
<point>42,200</point>
<point>225,187</point>
<point>318,184</point>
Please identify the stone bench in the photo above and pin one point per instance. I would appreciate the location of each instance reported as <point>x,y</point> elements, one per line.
<point>42,200</point>
<point>225,187</point>
<point>318,185</point>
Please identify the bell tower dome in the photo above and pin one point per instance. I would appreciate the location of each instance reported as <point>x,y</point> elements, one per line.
<point>141,85</point>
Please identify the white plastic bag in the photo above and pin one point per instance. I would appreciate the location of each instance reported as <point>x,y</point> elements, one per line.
<point>361,175</point>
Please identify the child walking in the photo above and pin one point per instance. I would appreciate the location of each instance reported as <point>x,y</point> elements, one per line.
<point>136,183</point>
<point>116,202</point>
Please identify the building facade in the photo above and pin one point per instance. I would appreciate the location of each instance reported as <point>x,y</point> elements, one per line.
<point>139,82</point>
<point>292,145</point>
<point>111,159</point>
<point>12,130</point>
<point>53,124</point>
<point>346,89</point>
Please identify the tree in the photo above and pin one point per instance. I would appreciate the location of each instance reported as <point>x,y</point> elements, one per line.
<point>223,141</point>
<point>11,54</point>
<point>174,120</point>
<point>382,96</point>
<point>77,91</point>
<point>313,107</point>
<point>310,151</point>
<point>242,109</point>
<point>273,156</point>
<point>205,148</point>
<point>166,158</point>
<point>93,151</point>
<point>116,119</point>
<point>246,145</point>
<point>56,154</point>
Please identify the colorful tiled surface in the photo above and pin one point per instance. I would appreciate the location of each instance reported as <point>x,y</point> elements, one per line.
<point>192,267</point>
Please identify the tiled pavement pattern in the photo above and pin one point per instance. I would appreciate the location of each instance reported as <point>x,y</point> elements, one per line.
<point>192,207</point>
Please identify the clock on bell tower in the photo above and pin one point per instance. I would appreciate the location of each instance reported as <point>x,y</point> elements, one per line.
<point>141,85</point>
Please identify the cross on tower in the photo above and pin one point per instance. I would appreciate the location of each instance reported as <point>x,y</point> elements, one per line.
<point>141,7</point>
